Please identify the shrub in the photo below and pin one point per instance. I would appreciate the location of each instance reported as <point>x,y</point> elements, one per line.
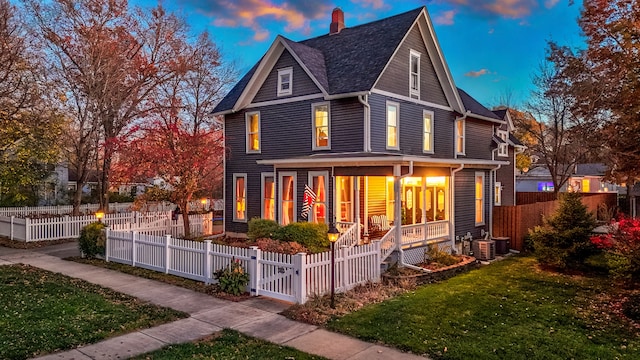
<point>310,235</point>
<point>622,248</point>
<point>232,279</point>
<point>564,239</point>
<point>92,240</point>
<point>278,246</point>
<point>434,254</point>
<point>261,228</point>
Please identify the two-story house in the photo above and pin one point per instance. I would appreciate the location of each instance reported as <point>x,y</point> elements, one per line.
<point>508,147</point>
<point>370,119</point>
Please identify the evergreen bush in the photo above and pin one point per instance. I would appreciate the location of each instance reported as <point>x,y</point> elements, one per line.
<point>310,235</point>
<point>564,239</point>
<point>92,240</point>
<point>262,228</point>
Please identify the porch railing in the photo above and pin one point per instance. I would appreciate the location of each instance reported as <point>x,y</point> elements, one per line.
<point>349,234</point>
<point>418,233</point>
<point>388,244</point>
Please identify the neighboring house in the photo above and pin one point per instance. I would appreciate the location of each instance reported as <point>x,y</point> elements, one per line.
<point>370,119</point>
<point>585,178</point>
<point>508,147</point>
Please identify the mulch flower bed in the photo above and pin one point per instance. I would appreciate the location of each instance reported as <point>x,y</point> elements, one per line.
<point>436,273</point>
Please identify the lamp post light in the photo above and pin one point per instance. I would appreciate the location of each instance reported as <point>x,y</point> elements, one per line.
<point>99,215</point>
<point>203,201</point>
<point>333,237</point>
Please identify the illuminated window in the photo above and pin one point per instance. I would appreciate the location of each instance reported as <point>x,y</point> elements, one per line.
<point>287,198</point>
<point>427,138</point>
<point>268,196</point>
<point>253,132</point>
<point>319,183</point>
<point>344,192</point>
<point>479,198</point>
<point>498,194</point>
<point>321,128</point>
<point>586,186</point>
<point>285,81</point>
<point>545,186</point>
<point>392,125</point>
<point>460,134</point>
<point>414,74</point>
<point>391,199</point>
<point>240,197</point>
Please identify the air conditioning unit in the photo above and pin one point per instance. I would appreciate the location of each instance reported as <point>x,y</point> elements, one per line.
<point>484,250</point>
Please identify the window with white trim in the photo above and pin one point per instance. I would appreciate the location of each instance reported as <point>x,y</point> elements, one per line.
<point>427,131</point>
<point>253,132</point>
<point>460,137</point>
<point>393,119</point>
<point>321,126</point>
<point>319,182</point>
<point>288,191</point>
<point>285,81</point>
<point>503,148</point>
<point>479,198</point>
<point>498,193</point>
<point>344,198</point>
<point>268,200</point>
<point>414,74</point>
<point>240,197</point>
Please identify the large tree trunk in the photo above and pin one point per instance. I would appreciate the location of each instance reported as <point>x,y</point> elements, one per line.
<point>185,218</point>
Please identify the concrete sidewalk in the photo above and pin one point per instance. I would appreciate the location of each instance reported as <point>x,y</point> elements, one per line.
<point>257,317</point>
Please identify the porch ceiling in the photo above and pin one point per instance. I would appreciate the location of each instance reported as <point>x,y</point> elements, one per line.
<point>376,159</point>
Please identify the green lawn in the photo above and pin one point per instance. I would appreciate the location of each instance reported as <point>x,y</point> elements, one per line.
<point>508,310</point>
<point>42,312</point>
<point>228,345</point>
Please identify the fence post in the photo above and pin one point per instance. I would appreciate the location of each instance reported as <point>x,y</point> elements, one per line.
<point>255,255</point>
<point>167,253</point>
<point>107,251</point>
<point>299,277</point>
<point>27,229</point>
<point>377,245</point>
<point>65,227</point>
<point>11,227</point>
<point>133,248</point>
<point>208,271</point>
<point>344,273</point>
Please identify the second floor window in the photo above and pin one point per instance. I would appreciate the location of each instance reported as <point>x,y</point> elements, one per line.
<point>321,126</point>
<point>460,135</point>
<point>503,148</point>
<point>392,125</point>
<point>414,74</point>
<point>427,137</point>
<point>285,81</point>
<point>253,132</point>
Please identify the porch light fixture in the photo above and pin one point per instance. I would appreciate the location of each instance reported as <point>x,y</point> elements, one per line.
<point>99,215</point>
<point>333,237</point>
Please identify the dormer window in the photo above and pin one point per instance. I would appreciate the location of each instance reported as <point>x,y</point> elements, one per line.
<point>414,74</point>
<point>503,148</point>
<point>285,81</point>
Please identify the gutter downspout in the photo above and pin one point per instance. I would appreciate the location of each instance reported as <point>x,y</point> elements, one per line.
<point>364,100</point>
<point>224,176</point>
<point>455,135</point>
<point>493,174</point>
<point>398,176</point>
<point>452,222</point>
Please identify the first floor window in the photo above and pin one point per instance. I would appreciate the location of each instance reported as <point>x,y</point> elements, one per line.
<point>287,198</point>
<point>344,188</point>
<point>498,194</point>
<point>268,196</point>
<point>479,198</point>
<point>318,181</point>
<point>240,197</point>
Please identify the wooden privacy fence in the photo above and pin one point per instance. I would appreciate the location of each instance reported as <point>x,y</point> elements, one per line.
<point>285,277</point>
<point>515,221</point>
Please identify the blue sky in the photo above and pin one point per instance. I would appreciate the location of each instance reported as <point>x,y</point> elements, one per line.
<point>493,47</point>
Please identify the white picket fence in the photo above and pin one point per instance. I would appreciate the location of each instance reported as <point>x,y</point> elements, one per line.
<point>66,209</point>
<point>68,227</point>
<point>285,277</point>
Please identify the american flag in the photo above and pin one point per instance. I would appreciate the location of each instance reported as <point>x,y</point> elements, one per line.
<point>307,201</point>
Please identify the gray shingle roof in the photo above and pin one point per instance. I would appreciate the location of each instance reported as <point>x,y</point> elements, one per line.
<point>598,169</point>
<point>475,107</point>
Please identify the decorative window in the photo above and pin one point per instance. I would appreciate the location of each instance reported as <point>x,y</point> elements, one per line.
<point>319,181</point>
<point>479,198</point>
<point>460,137</point>
<point>344,194</point>
<point>498,194</point>
<point>503,148</point>
<point>288,191</point>
<point>253,132</point>
<point>414,74</point>
<point>321,126</point>
<point>268,196</point>
<point>285,81</point>
<point>393,112</point>
<point>586,186</point>
<point>427,131</point>
<point>240,197</point>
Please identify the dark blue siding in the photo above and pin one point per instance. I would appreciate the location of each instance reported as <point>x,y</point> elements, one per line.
<point>302,83</point>
<point>464,193</point>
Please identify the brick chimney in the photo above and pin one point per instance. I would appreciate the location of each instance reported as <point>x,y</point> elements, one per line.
<point>337,21</point>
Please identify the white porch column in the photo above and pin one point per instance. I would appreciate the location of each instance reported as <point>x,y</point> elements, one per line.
<point>424,205</point>
<point>366,205</point>
<point>397,212</point>
<point>356,203</point>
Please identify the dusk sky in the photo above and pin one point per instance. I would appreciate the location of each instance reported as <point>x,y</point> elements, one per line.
<point>493,47</point>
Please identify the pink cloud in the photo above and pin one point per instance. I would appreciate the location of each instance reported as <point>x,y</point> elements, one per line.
<point>505,8</point>
<point>376,4</point>
<point>477,73</point>
<point>445,18</point>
